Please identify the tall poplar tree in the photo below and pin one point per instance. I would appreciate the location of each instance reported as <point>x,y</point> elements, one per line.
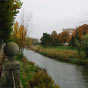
<point>8,11</point>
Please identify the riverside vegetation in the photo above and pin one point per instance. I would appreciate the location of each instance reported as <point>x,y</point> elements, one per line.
<point>61,53</point>
<point>31,75</point>
<point>34,77</point>
<point>66,47</point>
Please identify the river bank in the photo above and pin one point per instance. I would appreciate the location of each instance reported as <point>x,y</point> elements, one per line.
<point>63,55</point>
<point>65,74</point>
<point>32,76</point>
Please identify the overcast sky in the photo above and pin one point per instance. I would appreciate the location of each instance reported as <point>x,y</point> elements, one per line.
<point>49,15</point>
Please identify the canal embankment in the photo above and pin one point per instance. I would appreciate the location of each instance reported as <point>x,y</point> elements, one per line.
<point>65,74</point>
<point>33,76</point>
<point>67,55</point>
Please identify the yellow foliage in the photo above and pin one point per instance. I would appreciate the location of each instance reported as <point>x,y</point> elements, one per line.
<point>19,33</point>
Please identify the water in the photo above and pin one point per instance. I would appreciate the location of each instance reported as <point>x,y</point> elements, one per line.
<point>66,75</point>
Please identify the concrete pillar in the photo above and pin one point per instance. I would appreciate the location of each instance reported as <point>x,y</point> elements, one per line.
<point>11,69</point>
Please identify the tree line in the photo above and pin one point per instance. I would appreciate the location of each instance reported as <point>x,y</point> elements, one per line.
<point>78,39</point>
<point>9,29</point>
<point>56,39</point>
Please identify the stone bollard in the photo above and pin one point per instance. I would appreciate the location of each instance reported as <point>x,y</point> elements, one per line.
<point>11,68</point>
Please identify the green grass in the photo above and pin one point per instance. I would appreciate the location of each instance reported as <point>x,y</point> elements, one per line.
<point>33,76</point>
<point>58,47</point>
<point>62,53</point>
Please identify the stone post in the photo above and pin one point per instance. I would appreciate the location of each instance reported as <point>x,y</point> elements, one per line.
<point>11,68</point>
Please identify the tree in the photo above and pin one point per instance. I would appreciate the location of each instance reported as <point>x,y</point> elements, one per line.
<point>77,44</point>
<point>45,40</point>
<point>28,42</point>
<point>77,36</point>
<point>8,11</point>
<point>54,38</point>
<point>19,35</point>
<point>64,37</point>
<point>84,45</point>
<point>26,20</point>
<point>72,41</point>
<point>79,33</point>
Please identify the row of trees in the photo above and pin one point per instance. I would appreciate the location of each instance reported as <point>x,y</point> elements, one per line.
<point>54,38</point>
<point>10,31</point>
<point>19,36</point>
<point>78,39</point>
<point>64,37</point>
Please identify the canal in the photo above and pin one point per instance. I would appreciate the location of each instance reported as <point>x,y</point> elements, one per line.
<point>64,74</point>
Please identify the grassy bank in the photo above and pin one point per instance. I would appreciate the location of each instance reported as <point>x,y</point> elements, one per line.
<point>62,53</point>
<point>33,76</point>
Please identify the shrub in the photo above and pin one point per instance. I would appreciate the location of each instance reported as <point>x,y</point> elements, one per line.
<point>82,47</point>
<point>42,80</point>
<point>33,76</point>
<point>66,55</point>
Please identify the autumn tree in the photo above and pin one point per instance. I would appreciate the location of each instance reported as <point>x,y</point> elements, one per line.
<point>54,38</point>
<point>79,33</point>
<point>19,35</point>
<point>8,11</point>
<point>64,37</point>
<point>82,30</point>
<point>28,42</point>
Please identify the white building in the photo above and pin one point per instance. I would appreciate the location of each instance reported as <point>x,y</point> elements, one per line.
<point>70,30</point>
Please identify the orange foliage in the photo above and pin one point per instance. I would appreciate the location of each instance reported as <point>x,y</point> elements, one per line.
<point>19,33</point>
<point>81,30</point>
<point>64,37</point>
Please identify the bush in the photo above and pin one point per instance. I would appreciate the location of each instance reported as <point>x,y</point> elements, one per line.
<point>42,80</point>
<point>33,76</point>
<point>82,47</point>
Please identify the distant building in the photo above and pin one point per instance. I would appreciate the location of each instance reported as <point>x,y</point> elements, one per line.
<point>70,30</point>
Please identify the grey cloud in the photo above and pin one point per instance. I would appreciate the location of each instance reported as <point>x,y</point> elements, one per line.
<point>49,15</point>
